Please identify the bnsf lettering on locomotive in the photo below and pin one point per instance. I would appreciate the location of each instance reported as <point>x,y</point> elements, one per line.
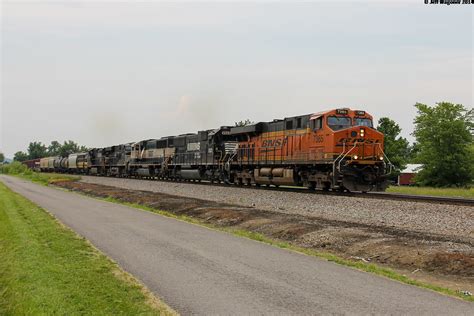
<point>274,142</point>
<point>359,140</point>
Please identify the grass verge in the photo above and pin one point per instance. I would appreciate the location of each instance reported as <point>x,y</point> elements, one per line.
<point>46,269</point>
<point>448,192</point>
<point>20,170</point>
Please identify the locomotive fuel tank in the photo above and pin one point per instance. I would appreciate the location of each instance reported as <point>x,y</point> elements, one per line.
<point>143,172</point>
<point>275,176</point>
<point>191,174</point>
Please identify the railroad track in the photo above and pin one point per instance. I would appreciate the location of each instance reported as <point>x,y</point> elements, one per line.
<point>420,198</point>
<point>368,195</point>
<point>376,195</point>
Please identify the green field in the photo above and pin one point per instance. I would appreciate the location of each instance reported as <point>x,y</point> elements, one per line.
<point>448,192</point>
<point>46,269</point>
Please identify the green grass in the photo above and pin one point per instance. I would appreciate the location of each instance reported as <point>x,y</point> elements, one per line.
<point>448,192</point>
<point>20,170</point>
<point>367,267</point>
<point>45,178</point>
<point>46,269</point>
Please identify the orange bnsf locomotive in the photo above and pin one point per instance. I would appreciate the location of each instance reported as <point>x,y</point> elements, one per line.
<point>337,149</point>
<point>332,150</point>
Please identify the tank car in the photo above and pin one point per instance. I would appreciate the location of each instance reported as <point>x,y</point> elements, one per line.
<point>64,164</point>
<point>44,164</point>
<point>77,163</point>
<point>47,164</point>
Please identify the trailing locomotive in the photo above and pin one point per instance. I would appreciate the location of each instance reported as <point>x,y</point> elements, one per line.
<point>337,150</point>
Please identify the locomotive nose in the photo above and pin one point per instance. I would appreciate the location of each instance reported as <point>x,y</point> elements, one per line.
<point>361,144</point>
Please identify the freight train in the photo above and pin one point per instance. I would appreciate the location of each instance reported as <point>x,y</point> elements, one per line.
<point>332,150</point>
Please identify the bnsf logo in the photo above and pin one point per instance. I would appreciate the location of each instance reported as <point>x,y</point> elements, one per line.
<point>318,139</point>
<point>359,140</point>
<point>274,142</point>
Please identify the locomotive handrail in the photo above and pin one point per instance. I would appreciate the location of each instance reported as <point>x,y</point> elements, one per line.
<point>340,158</point>
<point>339,165</point>
<point>389,162</point>
<point>221,157</point>
<point>335,161</point>
<point>342,153</point>
<point>227,163</point>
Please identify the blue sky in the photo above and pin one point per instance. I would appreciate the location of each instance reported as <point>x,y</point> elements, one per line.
<point>110,72</point>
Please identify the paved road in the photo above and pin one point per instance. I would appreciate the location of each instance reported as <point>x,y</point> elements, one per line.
<point>200,271</point>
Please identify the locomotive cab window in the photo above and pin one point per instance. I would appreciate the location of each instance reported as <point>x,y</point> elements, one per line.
<point>339,122</point>
<point>363,122</point>
<point>298,122</point>
<point>317,123</point>
<point>289,124</point>
<point>151,145</point>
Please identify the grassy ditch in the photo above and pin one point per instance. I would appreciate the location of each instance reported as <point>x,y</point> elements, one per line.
<point>467,193</point>
<point>20,170</point>
<point>46,269</point>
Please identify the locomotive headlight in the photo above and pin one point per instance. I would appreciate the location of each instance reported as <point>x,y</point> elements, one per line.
<point>356,157</point>
<point>381,157</point>
<point>362,132</point>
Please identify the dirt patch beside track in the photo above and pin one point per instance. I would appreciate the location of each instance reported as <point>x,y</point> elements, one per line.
<point>439,259</point>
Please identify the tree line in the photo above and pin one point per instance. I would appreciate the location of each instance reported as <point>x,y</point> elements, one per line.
<point>38,150</point>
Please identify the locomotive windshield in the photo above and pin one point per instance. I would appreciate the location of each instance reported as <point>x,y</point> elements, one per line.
<point>339,122</point>
<point>363,122</point>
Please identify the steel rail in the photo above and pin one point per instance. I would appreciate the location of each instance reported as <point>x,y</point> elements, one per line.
<point>303,190</point>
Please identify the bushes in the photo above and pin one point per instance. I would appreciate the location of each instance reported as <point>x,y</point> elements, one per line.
<point>20,170</point>
<point>15,168</point>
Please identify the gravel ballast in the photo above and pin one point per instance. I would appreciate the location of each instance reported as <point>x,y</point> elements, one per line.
<point>450,220</point>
